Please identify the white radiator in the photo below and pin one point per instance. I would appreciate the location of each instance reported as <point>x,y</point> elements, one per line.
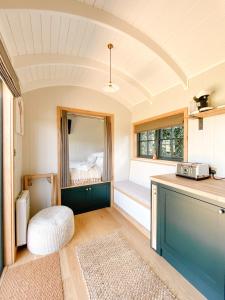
<point>22,217</point>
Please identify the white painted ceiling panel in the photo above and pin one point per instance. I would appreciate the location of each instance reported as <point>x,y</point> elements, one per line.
<point>36,32</point>
<point>157,74</point>
<point>191,33</point>
<point>78,76</point>
<point>7,34</point>
<point>26,29</point>
<point>46,21</point>
<point>185,29</point>
<point>36,27</point>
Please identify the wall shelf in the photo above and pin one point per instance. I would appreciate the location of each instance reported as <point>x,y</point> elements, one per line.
<point>206,114</point>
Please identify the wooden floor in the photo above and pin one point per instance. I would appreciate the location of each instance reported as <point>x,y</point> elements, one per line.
<point>97,223</point>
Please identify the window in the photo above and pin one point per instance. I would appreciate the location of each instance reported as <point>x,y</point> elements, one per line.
<point>165,143</point>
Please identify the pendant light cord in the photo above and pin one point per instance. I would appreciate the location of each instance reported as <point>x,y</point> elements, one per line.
<point>110,46</point>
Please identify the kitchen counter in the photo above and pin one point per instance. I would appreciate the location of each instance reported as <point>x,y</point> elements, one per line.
<point>208,188</point>
<point>188,221</point>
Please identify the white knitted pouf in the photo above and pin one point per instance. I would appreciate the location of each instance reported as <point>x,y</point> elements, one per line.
<point>50,229</point>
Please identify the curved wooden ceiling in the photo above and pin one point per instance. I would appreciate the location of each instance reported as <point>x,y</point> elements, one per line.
<point>158,44</point>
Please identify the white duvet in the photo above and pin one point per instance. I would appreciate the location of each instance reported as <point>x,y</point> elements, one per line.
<point>87,171</point>
<point>81,176</point>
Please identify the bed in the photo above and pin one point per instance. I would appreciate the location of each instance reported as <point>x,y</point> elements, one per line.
<point>87,172</point>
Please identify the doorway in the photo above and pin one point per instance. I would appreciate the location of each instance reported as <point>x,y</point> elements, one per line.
<point>85,159</point>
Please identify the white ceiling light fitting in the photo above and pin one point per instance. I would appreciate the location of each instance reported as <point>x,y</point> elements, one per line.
<point>110,87</point>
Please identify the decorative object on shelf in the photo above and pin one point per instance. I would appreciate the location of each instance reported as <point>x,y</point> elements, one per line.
<point>110,87</point>
<point>204,110</point>
<point>202,100</point>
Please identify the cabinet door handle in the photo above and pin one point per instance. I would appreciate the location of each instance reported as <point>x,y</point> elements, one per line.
<point>221,211</point>
<point>86,189</point>
<point>89,189</point>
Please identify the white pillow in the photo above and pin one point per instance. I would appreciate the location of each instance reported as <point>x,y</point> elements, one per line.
<point>99,163</point>
<point>91,159</point>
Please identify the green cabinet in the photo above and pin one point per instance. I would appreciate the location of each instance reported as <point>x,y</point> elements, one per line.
<point>86,198</point>
<point>191,236</point>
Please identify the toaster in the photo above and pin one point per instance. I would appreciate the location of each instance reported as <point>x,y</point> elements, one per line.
<point>197,171</point>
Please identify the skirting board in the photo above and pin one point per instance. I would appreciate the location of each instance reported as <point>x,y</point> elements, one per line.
<point>141,228</point>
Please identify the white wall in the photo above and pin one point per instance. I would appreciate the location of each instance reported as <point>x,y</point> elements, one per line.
<point>208,145</point>
<point>86,137</point>
<point>40,138</point>
<point>203,146</point>
<point>141,171</point>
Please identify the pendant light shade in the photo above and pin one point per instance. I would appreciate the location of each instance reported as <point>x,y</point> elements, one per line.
<point>110,87</point>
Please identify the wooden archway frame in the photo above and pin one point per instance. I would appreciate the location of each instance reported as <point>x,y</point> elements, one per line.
<point>78,112</point>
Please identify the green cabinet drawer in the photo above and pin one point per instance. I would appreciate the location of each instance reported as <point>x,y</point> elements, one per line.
<point>192,239</point>
<point>86,198</point>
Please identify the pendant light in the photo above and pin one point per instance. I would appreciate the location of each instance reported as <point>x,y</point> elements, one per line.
<point>110,87</point>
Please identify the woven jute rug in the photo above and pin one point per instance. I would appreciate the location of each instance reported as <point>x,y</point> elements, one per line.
<point>39,279</point>
<point>113,270</point>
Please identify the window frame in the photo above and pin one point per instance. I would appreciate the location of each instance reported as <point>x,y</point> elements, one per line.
<point>158,140</point>
<point>135,148</point>
<point>138,148</point>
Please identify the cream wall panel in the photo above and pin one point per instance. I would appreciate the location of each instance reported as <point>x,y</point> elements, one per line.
<point>40,138</point>
<point>140,171</point>
<point>206,145</point>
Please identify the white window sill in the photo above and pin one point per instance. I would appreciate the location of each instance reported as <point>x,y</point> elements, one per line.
<point>156,161</point>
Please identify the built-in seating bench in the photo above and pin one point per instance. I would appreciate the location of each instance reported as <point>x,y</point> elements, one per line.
<point>134,200</point>
<point>134,191</point>
<point>133,197</point>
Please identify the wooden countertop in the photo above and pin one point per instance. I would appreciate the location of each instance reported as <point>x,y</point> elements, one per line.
<point>209,188</point>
